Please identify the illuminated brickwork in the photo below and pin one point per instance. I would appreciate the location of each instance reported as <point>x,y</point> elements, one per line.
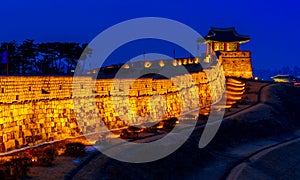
<point>22,88</point>
<point>37,109</point>
<point>237,64</point>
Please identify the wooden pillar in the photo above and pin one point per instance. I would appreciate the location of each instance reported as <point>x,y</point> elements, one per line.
<point>207,50</point>
<point>211,47</point>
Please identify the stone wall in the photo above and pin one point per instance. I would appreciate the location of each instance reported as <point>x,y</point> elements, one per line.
<point>237,64</point>
<point>36,109</point>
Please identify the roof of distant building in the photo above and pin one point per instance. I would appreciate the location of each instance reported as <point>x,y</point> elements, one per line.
<point>284,78</point>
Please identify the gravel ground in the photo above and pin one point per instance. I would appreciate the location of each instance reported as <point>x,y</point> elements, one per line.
<point>61,166</point>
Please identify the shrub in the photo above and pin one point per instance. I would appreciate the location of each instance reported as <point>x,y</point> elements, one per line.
<point>75,149</point>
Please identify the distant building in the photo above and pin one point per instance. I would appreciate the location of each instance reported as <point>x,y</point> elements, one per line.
<point>284,78</point>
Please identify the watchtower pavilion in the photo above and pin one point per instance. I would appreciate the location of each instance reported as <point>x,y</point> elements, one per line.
<point>225,44</point>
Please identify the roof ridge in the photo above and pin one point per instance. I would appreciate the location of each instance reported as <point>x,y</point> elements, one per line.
<point>232,28</point>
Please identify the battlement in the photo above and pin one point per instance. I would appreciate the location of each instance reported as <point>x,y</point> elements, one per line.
<point>234,54</point>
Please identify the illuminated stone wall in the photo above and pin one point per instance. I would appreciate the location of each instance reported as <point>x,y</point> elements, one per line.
<point>237,64</point>
<point>22,88</point>
<point>36,109</point>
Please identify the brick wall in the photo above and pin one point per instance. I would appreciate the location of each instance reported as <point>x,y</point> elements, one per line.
<point>36,109</point>
<point>237,64</point>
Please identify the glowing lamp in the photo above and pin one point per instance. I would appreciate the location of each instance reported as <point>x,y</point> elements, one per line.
<point>161,63</point>
<point>147,64</point>
<point>174,63</point>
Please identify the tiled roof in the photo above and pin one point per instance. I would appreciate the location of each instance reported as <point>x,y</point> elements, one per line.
<point>225,35</point>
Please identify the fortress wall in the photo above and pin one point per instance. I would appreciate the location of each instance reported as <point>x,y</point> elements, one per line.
<point>35,122</point>
<point>172,98</point>
<point>237,64</point>
<point>27,116</point>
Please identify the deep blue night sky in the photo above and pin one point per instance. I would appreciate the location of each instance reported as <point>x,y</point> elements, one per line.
<point>272,25</point>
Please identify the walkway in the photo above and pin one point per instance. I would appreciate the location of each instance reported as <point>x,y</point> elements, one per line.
<point>279,162</point>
